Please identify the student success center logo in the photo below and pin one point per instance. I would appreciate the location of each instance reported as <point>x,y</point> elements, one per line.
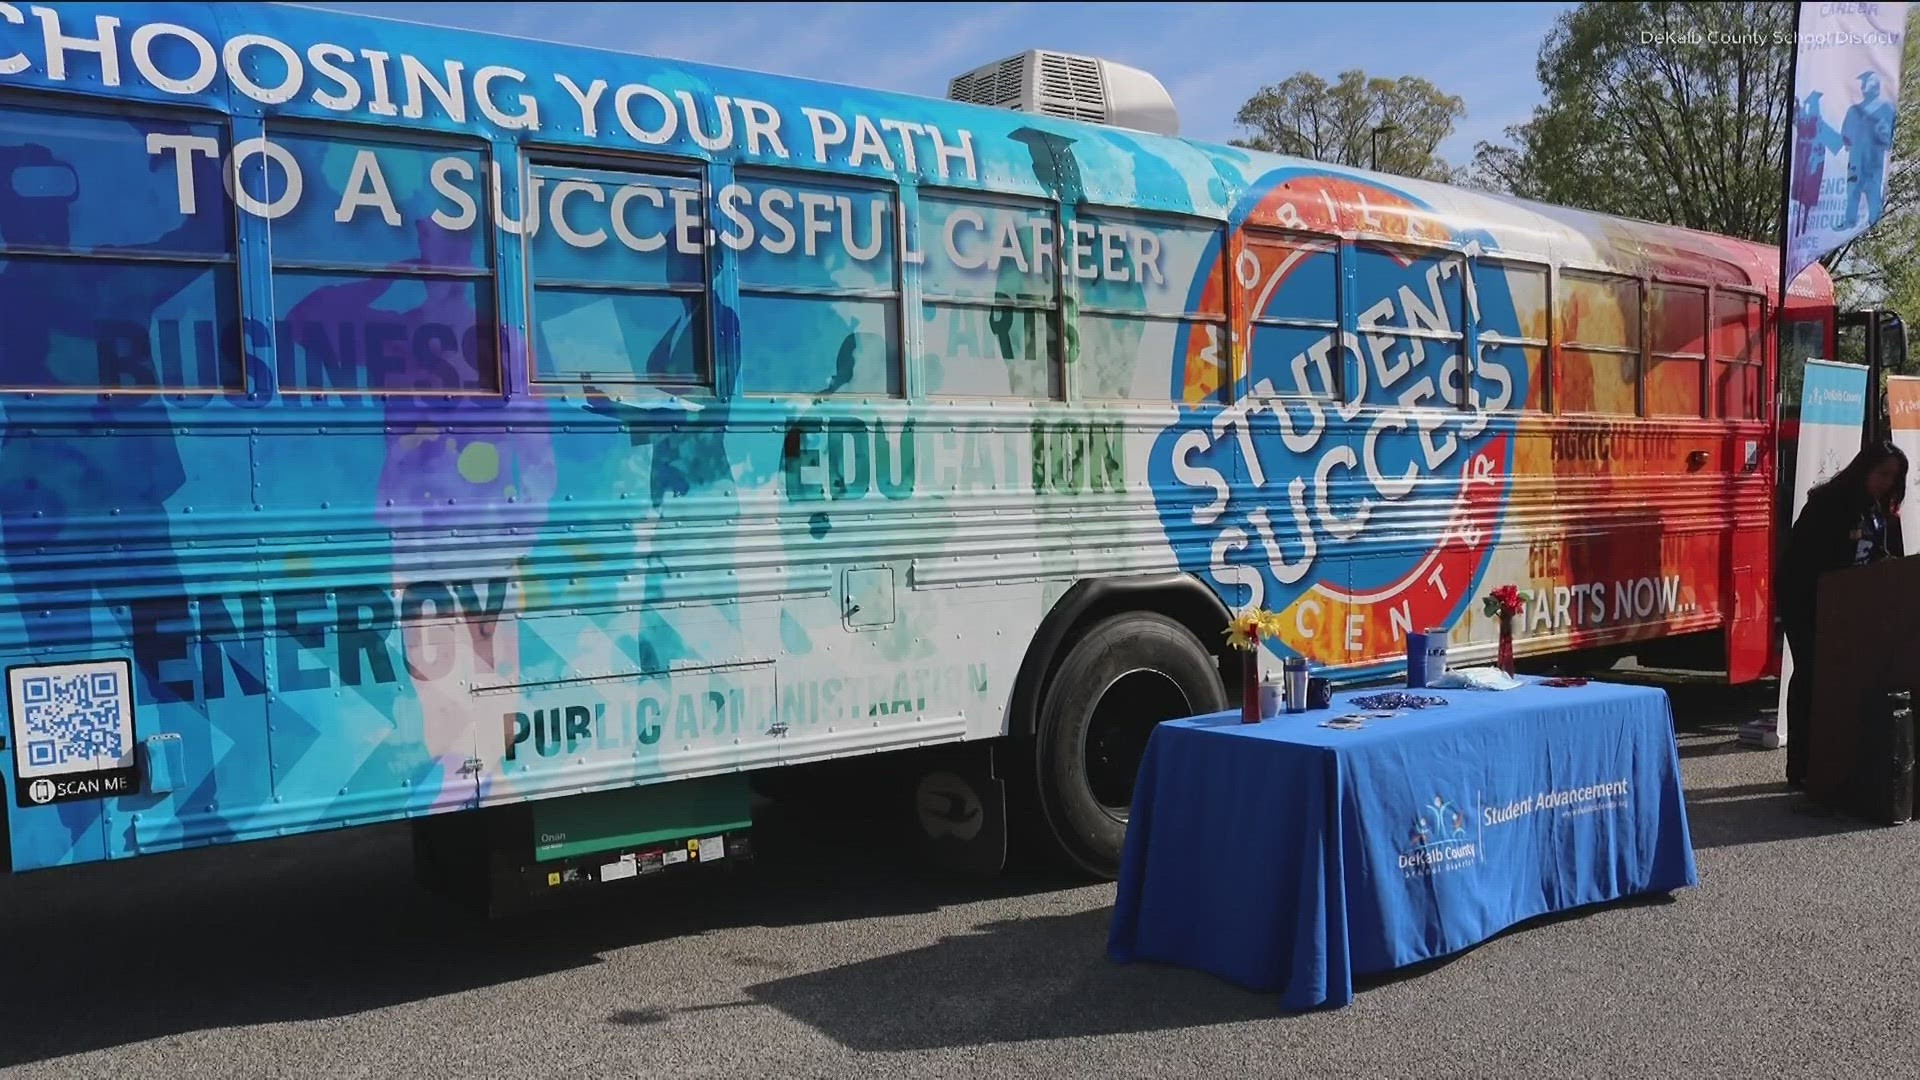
<point>1335,436</point>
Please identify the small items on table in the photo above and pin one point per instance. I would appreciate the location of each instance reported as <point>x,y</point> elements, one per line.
<point>1290,855</point>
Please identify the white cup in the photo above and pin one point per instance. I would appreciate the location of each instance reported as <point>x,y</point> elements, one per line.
<point>1272,699</point>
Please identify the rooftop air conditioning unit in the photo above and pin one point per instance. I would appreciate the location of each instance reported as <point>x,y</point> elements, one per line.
<point>1072,87</point>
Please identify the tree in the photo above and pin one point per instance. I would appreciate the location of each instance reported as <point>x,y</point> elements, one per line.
<point>1500,167</point>
<point>1306,116</point>
<point>1656,111</point>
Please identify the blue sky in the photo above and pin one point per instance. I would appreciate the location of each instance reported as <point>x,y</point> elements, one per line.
<point>1210,56</point>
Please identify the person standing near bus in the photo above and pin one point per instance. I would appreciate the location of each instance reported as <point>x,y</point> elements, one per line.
<point>1852,519</point>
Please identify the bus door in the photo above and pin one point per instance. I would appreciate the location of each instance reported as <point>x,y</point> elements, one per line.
<point>1738,399</point>
<point>1876,338</point>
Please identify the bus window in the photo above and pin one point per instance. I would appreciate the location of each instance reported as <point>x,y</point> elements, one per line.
<point>1510,303</point>
<point>1599,317</point>
<point>990,292</point>
<point>618,297</point>
<point>1677,373</point>
<point>1412,319</point>
<point>1737,318</point>
<point>117,267</point>
<point>819,285</point>
<point>1150,289</point>
<point>1289,286</point>
<point>1805,340</point>
<point>382,266</point>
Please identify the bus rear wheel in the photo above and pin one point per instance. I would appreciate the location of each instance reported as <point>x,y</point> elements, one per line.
<point>1126,675</point>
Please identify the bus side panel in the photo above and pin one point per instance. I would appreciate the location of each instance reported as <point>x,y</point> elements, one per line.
<point>100,571</point>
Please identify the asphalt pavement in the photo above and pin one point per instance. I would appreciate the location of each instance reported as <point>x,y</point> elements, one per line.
<point>830,958</point>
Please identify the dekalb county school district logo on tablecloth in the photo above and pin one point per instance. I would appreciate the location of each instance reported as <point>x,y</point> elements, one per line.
<point>1442,839</point>
<point>1447,836</point>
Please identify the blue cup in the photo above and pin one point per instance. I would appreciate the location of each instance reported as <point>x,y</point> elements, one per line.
<point>1426,657</point>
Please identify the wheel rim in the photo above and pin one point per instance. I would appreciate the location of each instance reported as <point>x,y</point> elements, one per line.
<point>1117,731</point>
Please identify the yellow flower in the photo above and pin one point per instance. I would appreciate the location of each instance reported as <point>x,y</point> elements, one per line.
<point>1247,625</point>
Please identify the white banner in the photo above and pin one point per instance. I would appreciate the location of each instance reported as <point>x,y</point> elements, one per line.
<point>1903,416</point>
<point>1846,90</point>
<point>1833,410</point>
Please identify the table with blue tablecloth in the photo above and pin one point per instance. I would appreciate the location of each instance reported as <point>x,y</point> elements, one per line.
<point>1290,857</point>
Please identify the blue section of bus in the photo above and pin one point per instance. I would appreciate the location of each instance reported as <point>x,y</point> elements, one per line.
<point>384,377</point>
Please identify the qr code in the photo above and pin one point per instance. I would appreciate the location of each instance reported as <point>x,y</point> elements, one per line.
<point>64,718</point>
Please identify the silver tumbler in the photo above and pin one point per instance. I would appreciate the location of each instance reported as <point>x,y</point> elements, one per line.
<point>1294,677</point>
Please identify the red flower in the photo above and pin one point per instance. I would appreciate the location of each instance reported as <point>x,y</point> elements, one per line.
<point>1505,600</point>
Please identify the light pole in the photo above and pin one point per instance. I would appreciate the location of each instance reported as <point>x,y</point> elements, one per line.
<point>1373,157</point>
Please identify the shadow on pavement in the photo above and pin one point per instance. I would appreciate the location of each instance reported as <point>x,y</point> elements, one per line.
<point>332,925</point>
<point>1047,978</point>
<point>1040,978</point>
<point>1762,814</point>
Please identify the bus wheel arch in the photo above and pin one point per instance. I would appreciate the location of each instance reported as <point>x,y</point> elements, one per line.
<point>1113,658</point>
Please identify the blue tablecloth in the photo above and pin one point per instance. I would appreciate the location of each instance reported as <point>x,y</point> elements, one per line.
<point>1285,856</point>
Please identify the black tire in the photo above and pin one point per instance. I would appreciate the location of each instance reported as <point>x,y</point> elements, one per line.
<point>1127,674</point>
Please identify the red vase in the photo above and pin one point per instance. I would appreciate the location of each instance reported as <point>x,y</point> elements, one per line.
<point>1506,644</point>
<point>1250,683</point>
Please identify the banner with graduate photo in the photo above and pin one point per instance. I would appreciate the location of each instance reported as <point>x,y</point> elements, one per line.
<point>1846,93</point>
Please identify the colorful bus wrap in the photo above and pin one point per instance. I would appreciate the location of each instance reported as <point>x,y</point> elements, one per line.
<point>398,422</point>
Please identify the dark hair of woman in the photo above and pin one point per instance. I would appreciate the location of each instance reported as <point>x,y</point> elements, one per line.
<point>1863,479</point>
